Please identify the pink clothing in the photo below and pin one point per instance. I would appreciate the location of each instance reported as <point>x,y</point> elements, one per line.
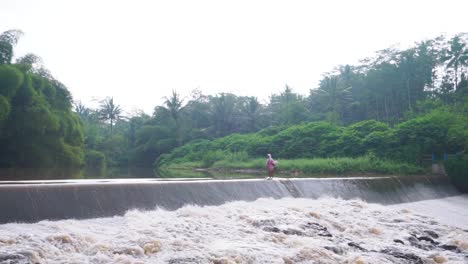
<point>271,164</point>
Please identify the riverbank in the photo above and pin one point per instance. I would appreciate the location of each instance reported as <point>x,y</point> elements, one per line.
<point>318,166</point>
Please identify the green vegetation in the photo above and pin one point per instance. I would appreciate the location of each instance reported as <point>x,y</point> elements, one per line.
<point>38,130</point>
<point>438,131</point>
<point>387,111</point>
<point>457,169</point>
<point>323,166</point>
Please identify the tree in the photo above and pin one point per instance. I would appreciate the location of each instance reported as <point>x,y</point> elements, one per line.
<point>456,56</point>
<point>81,110</point>
<point>40,132</point>
<point>335,96</point>
<point>251,109</point>
<point>287,108</point>
<point>407,63</point>
<point>223,112</point>
<point>38,128</point>
<point>110,112</point>
<point>346,74</point>
<point>8,40</point>
<point>173,106</point>
<point>197,112</point>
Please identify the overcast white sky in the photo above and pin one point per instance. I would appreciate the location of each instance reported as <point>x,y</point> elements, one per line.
<point>138,51</point>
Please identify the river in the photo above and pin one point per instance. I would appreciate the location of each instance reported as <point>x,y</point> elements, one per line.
<point>288,230</point>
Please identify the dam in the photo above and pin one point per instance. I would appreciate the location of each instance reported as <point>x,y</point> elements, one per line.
<point>31,201</point>
<point>421,219</point>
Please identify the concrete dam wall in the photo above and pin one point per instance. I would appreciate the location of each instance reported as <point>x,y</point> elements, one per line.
<point>53,200</point>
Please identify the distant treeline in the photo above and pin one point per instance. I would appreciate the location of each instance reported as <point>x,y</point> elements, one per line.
<point>38,128</point>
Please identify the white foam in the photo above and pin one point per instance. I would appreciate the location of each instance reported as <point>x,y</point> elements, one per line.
<point>237,232</point>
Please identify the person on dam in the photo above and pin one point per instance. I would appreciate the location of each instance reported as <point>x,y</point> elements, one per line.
<point>271,167</point>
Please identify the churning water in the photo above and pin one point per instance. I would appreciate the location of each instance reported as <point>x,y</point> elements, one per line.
<point>287,230</point>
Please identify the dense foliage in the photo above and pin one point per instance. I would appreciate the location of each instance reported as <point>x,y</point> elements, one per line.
<point>457,169</point>
<point>439,131</point>
<point>37,127</point>
<point>399,105</point>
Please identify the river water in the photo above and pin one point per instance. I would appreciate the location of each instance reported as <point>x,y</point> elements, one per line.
<point>287,230</point>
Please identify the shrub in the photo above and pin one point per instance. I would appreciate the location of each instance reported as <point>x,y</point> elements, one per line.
<point>426,134</point>
<point>457,170</point>
<point>441,130</point>
<point>211,157</point>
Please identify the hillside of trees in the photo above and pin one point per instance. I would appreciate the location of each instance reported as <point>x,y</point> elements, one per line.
<point>400,103</point>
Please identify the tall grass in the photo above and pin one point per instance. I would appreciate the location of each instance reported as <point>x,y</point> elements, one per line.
<point>364,164</point>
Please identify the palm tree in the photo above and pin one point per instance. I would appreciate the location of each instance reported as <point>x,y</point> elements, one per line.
<point>81,109</point>
<point>287,108</point>
<point>288,96</point>
<point>86,114</point>
<point>251,108</point>
<point>457,55</point>
<point>108,111</point>
<point>8,40</point>
<point>222,112</point>
<point>335,95</point>
<point>173,105</point>
<point>346,74</point>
